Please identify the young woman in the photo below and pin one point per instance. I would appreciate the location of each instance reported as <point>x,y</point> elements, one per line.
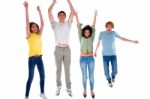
<point>86,38</point>
<point>34,32</point>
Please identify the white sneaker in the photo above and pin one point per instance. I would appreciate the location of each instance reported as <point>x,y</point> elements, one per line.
<point>43,96</point>
<point>113,80</point>
<point>58,91</point>
<point>69,92</point>
<point>26,98</point>
<point>110,85</point>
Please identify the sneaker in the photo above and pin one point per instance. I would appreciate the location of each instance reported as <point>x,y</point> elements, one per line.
<point>58,91</point>
<point>113,80</point>
<point>110,84</point>
<point>69,92</point>
<point>84,94</point>
<point>43,96</point>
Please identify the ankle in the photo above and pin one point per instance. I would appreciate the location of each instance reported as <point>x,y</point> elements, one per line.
<point>92,92</point>
<point>26,97</point>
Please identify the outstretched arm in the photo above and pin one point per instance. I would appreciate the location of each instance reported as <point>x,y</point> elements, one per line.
<point>97,46</point>
<point>27,19</point>
<point>72,11</point>
<point>41,20</point>
<point>128,40</point>
<point>94,20</point>
<point>51,18</point>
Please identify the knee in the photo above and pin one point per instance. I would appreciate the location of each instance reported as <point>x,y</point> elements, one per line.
<point>84,78</point>
<point>30,80</point>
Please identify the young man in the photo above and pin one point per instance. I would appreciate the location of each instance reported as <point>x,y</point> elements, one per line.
<point>62,51</point>
<point>109,53</point>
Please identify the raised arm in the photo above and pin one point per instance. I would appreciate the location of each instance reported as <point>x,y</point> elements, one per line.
<point>72,11</point>
<point>77,18</point>
<point>51,18</point>
<point>27,19</point>
<point>94,20</point>
<point>93,26</point>
<point>128,40</point>
<point>41,20</point>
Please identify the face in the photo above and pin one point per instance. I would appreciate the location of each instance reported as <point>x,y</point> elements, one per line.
<point>87,33</point>
<point>34,28</point>
<point>61,17</point>
<point>109,27</point>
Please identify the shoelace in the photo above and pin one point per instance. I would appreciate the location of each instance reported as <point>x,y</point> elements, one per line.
<point>69,91</point>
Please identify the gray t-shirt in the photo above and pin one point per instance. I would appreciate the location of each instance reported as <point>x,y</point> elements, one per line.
<point>61,32</point>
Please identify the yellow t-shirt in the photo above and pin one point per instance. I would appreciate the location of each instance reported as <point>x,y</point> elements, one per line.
<point>35,44</point>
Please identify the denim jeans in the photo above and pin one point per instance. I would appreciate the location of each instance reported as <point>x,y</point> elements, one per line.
<point>31,63</point>
<point>113,60</point>
<point>87,62</point>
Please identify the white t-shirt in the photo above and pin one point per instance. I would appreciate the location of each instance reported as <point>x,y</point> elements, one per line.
<point>61,32</point>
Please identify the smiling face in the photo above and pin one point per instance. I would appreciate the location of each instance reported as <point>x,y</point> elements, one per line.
<point>62,16</point>
<point>109,26</point>
<point>34,28</point>
<point>86,33</point>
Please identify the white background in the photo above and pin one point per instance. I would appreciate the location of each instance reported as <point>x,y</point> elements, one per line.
<point>131,18</point>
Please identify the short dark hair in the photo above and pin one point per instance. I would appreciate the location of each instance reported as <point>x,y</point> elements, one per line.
<point>110,23</point>
<point>61,12</point>
<point>87,27</point>
<point>31,24</point>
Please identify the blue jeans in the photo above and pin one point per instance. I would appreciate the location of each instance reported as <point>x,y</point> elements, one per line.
<point>113,60</point>
<point>87,62</point>
<point>31,63</point>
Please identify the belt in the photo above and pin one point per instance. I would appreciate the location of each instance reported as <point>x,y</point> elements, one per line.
<point>63,45</point>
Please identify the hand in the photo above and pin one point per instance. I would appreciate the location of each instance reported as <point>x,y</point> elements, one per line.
<point>25,4</point>
<point>95,54</point>
<point>38,8</point>
<point>54,1</point>
<point>96,12</point>
<point>136,42</point>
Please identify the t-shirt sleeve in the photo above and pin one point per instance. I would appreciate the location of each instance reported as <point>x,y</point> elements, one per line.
<point>117,35</point>
<point>93,32</point>
<point>69,23</point>
<point>100,36</point>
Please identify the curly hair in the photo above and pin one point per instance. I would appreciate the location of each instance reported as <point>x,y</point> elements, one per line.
<point>87,27</point>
